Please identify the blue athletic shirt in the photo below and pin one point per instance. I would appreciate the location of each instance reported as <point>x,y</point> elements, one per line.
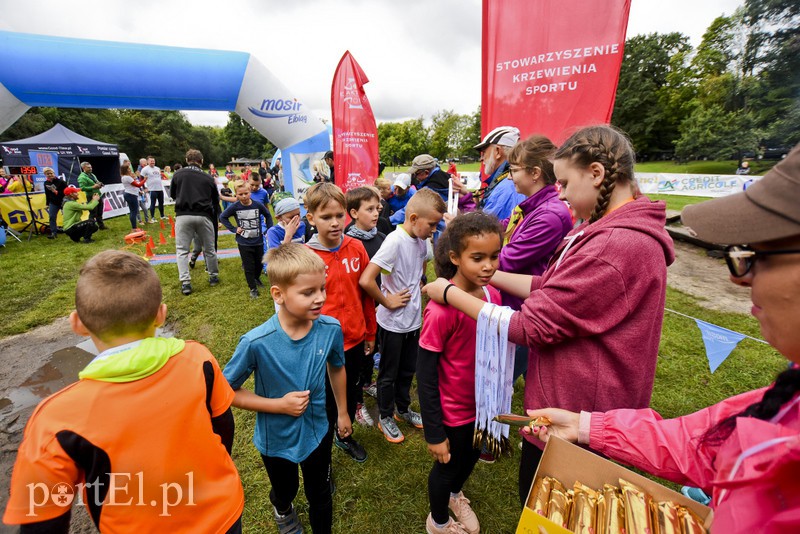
<point>281,365</point>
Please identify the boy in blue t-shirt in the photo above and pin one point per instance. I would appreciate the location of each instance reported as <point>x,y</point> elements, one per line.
<point>289,355</point>
<point>248,230</point>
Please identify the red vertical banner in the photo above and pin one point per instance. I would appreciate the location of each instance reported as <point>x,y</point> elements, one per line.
<point>551,66</point>
<point>355,134</point>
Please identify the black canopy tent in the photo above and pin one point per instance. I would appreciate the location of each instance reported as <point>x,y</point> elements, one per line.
<point>69,149</point>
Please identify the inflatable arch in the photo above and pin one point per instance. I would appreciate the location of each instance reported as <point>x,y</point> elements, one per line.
<point>38,70</point>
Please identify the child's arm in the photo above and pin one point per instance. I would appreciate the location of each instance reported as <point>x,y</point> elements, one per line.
<point>266,214</point>
<point>391,301</point>
<point>431,404</point>
<point>293,403</point>
<point>338,378</point>
<point>225,218</point>
<point>515,284</point>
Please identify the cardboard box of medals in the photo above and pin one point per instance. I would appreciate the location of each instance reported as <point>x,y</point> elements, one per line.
<point>575,490</point>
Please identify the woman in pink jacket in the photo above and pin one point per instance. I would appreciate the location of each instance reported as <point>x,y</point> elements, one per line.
<point>745,450</point>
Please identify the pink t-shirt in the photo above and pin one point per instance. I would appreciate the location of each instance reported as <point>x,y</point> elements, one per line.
<point>452,333</point>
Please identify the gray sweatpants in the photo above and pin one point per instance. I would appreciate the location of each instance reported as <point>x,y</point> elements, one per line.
<point>188,227</point>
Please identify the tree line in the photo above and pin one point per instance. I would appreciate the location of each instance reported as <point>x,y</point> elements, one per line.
<point>736,95</point>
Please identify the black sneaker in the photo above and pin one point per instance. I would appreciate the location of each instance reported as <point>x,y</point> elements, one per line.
<point>289,523</point>
<point>254,293</point>
<point>192,261</point>
<point>351,447</point>
<point>186,288</point>
<point>87,240</point>
<point>213,280</point>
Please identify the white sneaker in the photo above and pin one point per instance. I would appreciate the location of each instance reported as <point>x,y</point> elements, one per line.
<point>363,417</point>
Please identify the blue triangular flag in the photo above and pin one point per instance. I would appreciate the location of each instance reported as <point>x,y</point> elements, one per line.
<point>719,342</point>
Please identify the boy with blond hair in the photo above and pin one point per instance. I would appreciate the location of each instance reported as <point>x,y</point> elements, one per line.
<point>144,437</point>
<point>289,355</point>
<point>401,263</point>
<point>345,259</point>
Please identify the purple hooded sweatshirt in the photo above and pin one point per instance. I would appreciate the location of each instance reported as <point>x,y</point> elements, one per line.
<point>594,317</point>
<point>546,220</point>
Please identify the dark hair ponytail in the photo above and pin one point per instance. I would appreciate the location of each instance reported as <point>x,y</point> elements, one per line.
<point>786,386</point>
<point>454,238</point>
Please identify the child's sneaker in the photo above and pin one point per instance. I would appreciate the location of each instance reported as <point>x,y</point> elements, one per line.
<point>390,430</point>
<point>371,390</point>
<point>363,417</point>
<point>351,447</point>
<point>464,513</point>
<point>254,293</point>
<point>411,417</point>
<point>289,523</point>
<point>452,527</point>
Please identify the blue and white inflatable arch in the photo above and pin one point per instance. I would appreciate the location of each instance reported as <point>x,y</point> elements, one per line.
<point>37,70</point>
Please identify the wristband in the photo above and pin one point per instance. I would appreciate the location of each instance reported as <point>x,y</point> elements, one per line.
<point>444,295</point>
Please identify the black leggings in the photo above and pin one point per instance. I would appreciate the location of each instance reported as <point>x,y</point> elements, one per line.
<point>251,262</point>
<point>528,463</point>
<point>448,478</point>
<point>285,483</point>
<point>156,196</point>
<point>396,370</point>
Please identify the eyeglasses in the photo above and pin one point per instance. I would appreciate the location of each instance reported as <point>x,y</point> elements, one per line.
<point>513,169</point>
<point>741,258</point>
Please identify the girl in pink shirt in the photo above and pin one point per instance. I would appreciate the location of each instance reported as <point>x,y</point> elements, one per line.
<point>467,254</point>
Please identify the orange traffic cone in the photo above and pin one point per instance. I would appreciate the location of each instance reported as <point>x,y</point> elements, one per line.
<point>161,239</point>
<point>161,222</point>
<point>150,242</point>
<point>171,220</point>
<point>148,251</point>
<point>172,231</point>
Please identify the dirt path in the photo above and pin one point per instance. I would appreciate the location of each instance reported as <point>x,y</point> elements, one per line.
<point>43,360</point>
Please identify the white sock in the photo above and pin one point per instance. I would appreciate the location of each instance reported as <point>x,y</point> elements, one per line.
<point>443,525</point>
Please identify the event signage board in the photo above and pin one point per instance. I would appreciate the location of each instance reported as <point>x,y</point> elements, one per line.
<point>697,185</point>
<point>560,74</point>
<point>355,134</point>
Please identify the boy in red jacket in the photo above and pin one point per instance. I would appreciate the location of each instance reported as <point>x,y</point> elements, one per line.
<point>345,259</point>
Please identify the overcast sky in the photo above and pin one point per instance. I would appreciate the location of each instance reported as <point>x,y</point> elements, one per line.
<point>421,56</point>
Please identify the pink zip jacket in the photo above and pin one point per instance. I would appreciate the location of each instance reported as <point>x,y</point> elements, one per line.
<point>753,476</point>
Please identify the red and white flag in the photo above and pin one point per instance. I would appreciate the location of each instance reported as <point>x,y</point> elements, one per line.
<point>551,66</point>
<point>355,134</point>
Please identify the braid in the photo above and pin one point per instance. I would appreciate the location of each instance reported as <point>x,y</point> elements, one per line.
<point>786,386</point>
<point>610,148</point>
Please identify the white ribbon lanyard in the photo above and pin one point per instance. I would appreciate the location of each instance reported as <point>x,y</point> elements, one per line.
<point>494,368</point>
<point>452,198</point>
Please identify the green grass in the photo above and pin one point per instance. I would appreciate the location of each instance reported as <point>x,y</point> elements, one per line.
<point>677,202</point>
<point>387,493</point>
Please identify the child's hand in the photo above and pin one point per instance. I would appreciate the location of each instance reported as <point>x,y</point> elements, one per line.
<point>397,300</point>
<point>296,402</point>
<point>368,346</point>
<point>239,230</point>
<point>344,426</point>
<point>563,424</point>
<point>293,225</point>
<point>440,451</point>
<point>435,290</point>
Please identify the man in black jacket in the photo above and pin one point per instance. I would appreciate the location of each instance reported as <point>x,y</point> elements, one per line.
<point>196,212</point>
<point>54,196</point>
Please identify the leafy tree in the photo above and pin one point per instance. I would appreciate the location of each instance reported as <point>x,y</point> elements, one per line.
<point>400,142</point>
<point>652,79</point>
<point>244,141</point>
<point>714,133</point>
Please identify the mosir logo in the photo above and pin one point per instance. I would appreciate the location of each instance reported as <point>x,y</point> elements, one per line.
<point>280,108</point>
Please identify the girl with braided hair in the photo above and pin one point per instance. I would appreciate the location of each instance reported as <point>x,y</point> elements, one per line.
<point>745,450</point>
<point>593,319</point>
